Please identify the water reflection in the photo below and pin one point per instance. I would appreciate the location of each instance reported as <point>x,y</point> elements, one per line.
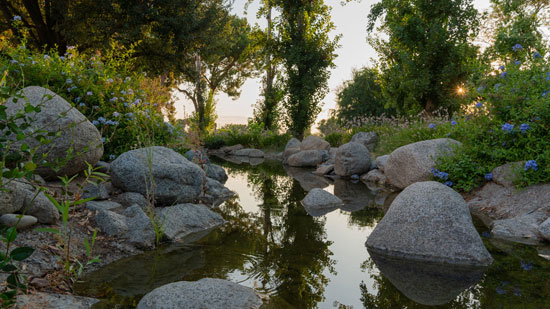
<point>272,244</point>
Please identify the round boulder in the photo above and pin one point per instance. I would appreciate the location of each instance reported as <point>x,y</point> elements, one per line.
<point>205,293</point>
<point>351,159</point>
<point>308,158</point>
<point>176,179</point>
<point>314,143</point>
<point>292,147</point>
<point>429,222</point>
<point>78,135</point>
<point>414,162</point>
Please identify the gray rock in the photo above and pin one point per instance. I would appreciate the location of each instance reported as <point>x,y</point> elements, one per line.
<point>181,220</point>
<point>314,143</point>
<point>21,221</point>
<point>374,176</point>
<point>128,199</point>
<point>205,293</point>
<point>249,152</point>
<point>308,158</point>
<point>77,133</point>
<point>140,232</point>
<point>97,191</point>
<point>23,197</point>
<point>293,143</point>
<point>306,178</point>
<point>427,283</point>
<point>523,228</point>
<point>53,301</point>
<point>216,172</point>
<point>367,139</point>
<point>495,202</point>
<point>292,147</point>
<point>508,173</point>
<point>215,193</point>
<point>197,157</point>
<point>231,149</point>
<point>381,162</point>
<point>429,222</point>
<point>103,167</point>
<point>111,223</point>
<point>351,158</point>
<point>324,169</point>
<point>102,205</point>
<point>319,198</point>
<point>544,229</point>
<point>176,179</point>
<point>414,162</point>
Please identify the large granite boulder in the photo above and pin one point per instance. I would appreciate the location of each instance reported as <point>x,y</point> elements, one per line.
<point>197,156</point>
<point>351,159</point>
<point>205,293</point>
<point>176,180</point>
<point>133,224</point>
<point>308,158</point>
<point>182,220</point>
<point>78,135</point>
<point>367,139</point>
<point>414,162</point>
<point>319,202</point>
<point>18,196</point>
<point>429,222</point>
<point>215,193</point>
<point>292,147</point>
<point>314,143</point>
<point>381,162</point>
<point>522,229</point>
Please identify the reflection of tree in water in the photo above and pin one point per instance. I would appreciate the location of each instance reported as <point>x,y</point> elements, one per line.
<point>366,217</point>
<point>283,248</point>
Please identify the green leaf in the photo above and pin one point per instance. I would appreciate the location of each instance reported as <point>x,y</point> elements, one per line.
<point>9,268</point>
<point>21,253</point>
<point>30,166</point>
<point>29,108</point>
<point>11,234</point>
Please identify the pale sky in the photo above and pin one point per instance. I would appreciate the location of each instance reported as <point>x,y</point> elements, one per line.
<point>354,53</point>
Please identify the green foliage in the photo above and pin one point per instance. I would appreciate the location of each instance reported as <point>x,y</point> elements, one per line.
<point>307,54</point>
<point>428,53</point>
<point>335,139</point>
<point>122,104</point>
<point>251,135</point>
<point>361,97</point>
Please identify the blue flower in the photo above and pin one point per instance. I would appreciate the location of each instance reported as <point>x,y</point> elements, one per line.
<point>537,55</point>
<point>517,47</point>
<point>500,290</point>
<point>116,114</point>
<point>95,123</point>
<point>110,80</point>
<point>479,104</point>
<point>545,93</point>
<point>431,126</point>
<point>517,291</point>
<point>103,139</point>
<point>486,234</point>
<point>453,123</point>
<point>501,68</point>
<point>14,61</point>
<point>448,183</point>
<point>16,18</point>
<point>89,93</point>
<point>112,157</point>
<point>102,119</point>
<point>46,57</point>
<point>497,86</point>
<point>113,99</point>
<point>489,176</point>
<point>69,81</point>
<point>524,127</point>
<point>503,74</point>
<point>443,175</point>
<point>507,127</point>
<point>526,266</point>
<point>82,104</point>
<point>77,99</point>
<point>517,62</point>
<point>531,164</point>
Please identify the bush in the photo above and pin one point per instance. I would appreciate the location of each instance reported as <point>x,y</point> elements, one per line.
<point>251,135</point>
<point>122,104</point>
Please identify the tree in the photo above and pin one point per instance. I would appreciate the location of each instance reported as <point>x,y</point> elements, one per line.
<point>223,65</point>
<point>361,97</point>
<point>307,52</point>
<point>514,22</point>
<point>428,54</point>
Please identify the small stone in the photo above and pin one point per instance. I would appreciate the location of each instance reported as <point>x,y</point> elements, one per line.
<point>10,220</point>
<point>319,198</point>
<point>182,220</point>
<point>508,173</point>
<point>40,282</point>
<point>97,191</point>
<point>111,223</point>
<point>128,199</point>
<point>102,205</point>
<point>103,167</point>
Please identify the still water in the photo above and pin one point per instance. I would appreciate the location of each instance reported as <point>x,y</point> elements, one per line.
<point>318,260</point>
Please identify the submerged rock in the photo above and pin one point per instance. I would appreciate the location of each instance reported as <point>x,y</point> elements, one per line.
<point>414,162</point>
<point>78,135</point>
<point>430,222</point>
<point>53,301</point>
<point>427,283</point>
<point>351,158</point>
<point>318,200</point>
<point>181,220</point>
<point>176,179</point>
<point>205,293</point>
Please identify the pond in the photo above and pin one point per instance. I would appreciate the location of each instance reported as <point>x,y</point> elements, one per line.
<point>297,260</point>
